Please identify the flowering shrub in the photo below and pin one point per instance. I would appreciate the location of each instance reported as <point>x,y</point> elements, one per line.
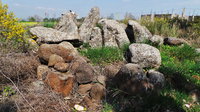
<point>10,28</point>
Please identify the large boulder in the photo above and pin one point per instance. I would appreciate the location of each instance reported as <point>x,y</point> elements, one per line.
<point>96,38</point>
<point>49,35</point>
<point>114,33</point>
<point>64,49</point>
<point>132,80</point>
<point>145,55</point>
<point>174,41</point>
<point>89,23</point>
<point>137,33</point>
<point>67,24</point>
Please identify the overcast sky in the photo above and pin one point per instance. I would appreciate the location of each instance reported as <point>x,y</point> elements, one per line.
<point>26,8</point>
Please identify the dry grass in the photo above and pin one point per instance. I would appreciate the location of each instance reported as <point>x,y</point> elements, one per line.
<point>18,66</point>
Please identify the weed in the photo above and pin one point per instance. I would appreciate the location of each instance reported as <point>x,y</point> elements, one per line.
<point>7,91</point>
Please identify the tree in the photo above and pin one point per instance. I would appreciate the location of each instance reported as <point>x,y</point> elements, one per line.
<point>31,19</point>
<point>35,18</point>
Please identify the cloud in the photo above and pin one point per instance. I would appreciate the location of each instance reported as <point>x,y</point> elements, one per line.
<point>45,9</point>
<point>18,5</point>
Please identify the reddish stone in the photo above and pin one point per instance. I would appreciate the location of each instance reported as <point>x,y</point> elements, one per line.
<point>61,86</point>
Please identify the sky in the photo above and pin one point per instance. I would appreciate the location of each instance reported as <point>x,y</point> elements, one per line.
<point>54,8</point>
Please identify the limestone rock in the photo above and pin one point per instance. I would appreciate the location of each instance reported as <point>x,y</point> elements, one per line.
<point>114,33</point>
<point>54,59</point>
<point>62,67</point>
<point>96,38</point>
<point>89,23</point>
<point>49,35</point>
<point>144,55</point>
<point>137,33</point>
<point>67,24</point>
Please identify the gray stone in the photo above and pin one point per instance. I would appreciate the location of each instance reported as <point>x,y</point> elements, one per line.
<point>96,38</point>
<point>48,35</point>
<point>67,24</point>
<point>137,33</point>
<point>89,23</point>
<point>132,80</point>
<point>156,78</point>
<point>114,33</point>
<point>145,55</point>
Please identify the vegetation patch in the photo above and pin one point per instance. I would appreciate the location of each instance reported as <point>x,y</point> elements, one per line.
<point>103,55</point>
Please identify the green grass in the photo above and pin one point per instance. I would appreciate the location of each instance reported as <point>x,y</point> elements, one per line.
<point>179,65</point>
<point>103,55</point>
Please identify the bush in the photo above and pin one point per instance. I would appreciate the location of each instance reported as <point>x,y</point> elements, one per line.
<point>12,33</point>
<point>160,26</point>
<point>9,26</point>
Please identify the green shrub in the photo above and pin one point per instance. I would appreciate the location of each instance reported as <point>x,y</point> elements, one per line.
<point>160,26</point>
<point>12,32</point>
